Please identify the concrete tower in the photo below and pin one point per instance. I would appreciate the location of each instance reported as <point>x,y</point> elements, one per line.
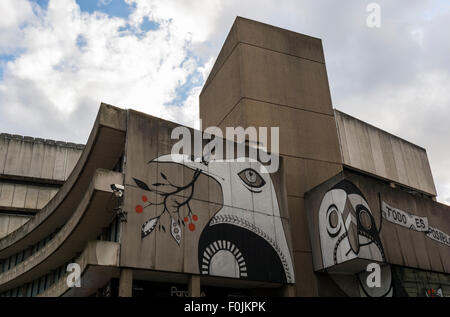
<point>271,77</point>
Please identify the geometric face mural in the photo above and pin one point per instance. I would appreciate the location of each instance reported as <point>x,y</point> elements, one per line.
<point>348,231</point>
<point>351,230</point>
<point>347,227</point>
<point>237,241</point>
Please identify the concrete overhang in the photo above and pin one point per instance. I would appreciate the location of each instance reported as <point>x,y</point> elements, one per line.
<point>99,262</point>
<point>104,149</point>
<point>94,212</point>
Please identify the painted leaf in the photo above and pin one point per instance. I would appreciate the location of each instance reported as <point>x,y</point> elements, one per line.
<point>163,176</point>
<point>148,227</point>
<point>175,230</point>
<point>141,184</point>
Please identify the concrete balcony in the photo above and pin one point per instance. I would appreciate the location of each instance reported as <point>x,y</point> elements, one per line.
<point>93,213</point>
<point>104,149</point>
<point>99,262</point>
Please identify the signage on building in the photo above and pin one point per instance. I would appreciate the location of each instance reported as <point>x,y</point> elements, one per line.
<point>407,220</point>
<point>439,236</point>
<point>404,219</point>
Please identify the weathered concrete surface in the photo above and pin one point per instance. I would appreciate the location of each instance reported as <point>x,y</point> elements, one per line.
<point>402,246</point>
<point>104,150</point>
<point>36,158</point>
<point>93,213</point>
<point>374,151</point>
<point>218,188</point>
<point>269,77</point>
<point>31,171</point>
<point>99,262</point>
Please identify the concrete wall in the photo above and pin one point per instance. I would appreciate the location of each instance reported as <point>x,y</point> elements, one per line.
<point>267,76</point>
<point>399,243</point>
<point>209,219</point>
<point>31,171</point>
<point>379,153</point>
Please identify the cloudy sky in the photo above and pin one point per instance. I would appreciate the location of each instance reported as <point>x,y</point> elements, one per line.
<point>60,58</point>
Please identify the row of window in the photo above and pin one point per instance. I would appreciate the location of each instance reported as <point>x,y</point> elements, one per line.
<point>36,287</point>
<point>16,259</point>
<point>39,285</point>
<point>111,233</point>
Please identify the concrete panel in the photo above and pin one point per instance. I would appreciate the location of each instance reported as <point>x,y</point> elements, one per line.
<point>308,284</point>
<point>365,147</point>
<point>7,194</point>
<point>377,153</point>
<point>25,158</point>
<point>369,149</point>
<point>73,155</point>
<point>399,245</point>
<point>224,92</point>
<point>12,164</point>
<point>317,172</point>
<point>9,223</point>
<point>302,134</point>
<point>32,197</point>
<point>43,197</point>
<point>20,192</point>
<point>280,40</point>
<point>227,48</point>
<point>299,224</point>
<point>284,80</point>
<point>37,159</point>
<point>269,37</point>
<point>4,143</point>
<point>4,225</point>
<point>49,162</point>
<point>399,159</point>
<point>60,163</point>
<point>305,174</point>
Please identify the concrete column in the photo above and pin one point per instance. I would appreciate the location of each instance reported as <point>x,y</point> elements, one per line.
<point>126,283</point>
<point>194,286</point>
<point>288,291</point>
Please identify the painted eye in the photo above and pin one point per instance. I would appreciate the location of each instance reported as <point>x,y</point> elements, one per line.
<point>334,224</point>
<point>365,219</point>
<point>251,178</point>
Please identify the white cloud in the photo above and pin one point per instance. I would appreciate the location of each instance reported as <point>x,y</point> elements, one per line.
<point>68,61</point>
<point>140,71</point>
<point>13,15</point>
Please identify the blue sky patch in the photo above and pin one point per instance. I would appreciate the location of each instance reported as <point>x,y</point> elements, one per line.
<point>42,3</point>
<point>148,25</point>
<point>4,59</point>
<point>81,41</point>
<point>114,8</point>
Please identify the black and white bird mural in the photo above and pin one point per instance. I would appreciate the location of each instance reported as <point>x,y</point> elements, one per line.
<point>245,238</point>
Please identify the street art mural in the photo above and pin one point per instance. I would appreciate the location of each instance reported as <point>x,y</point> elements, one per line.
<point>348,231</point>
<point>241,236</point>
<point>357,223</point>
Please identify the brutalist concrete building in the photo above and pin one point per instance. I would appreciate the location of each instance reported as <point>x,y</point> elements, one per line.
<point>348,202</point>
